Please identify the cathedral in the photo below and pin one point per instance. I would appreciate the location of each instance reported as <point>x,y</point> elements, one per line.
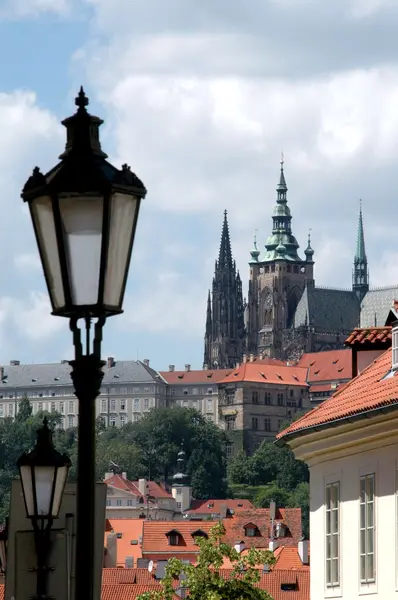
<point>285,313</point>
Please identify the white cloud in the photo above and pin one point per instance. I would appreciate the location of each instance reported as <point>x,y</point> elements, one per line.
<point>33,316</point>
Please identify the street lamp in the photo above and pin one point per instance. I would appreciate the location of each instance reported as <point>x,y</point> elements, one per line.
<point>43,473</point>
<point>84,213</point>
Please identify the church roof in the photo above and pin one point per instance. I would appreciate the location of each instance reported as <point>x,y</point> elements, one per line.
<point>376,306</point>
<point>327,309</point>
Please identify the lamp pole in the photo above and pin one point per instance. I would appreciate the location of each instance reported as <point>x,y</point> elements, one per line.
<point>84,213</point>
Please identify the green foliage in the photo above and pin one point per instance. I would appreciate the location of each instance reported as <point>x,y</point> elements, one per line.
<point>281,496</point>
<point>147,448</point>
<point>203,579</point>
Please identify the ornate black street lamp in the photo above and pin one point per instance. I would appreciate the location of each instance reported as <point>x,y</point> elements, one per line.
<point>84,214</point>
<point>43,475</point>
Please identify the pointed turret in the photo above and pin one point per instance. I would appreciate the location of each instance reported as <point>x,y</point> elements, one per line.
<point>181,489</point>
<point>255,253</point>
<point>309,253</point>
<point>281,244</point>
<point>360,276</point>
<point>225,254</point>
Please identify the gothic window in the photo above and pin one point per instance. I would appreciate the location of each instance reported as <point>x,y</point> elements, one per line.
<point>273,269</point>
<point>266,269</point>
<point>295,269</point>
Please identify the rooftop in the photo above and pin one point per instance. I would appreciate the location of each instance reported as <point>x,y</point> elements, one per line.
<point>210,507</point>
<point>153,489</point>
<point>203,376</point>
<point>327,366</point>
<point>369,391</point>
<point>370,335</point>
<point>128,530</point>
<point>271,374</point>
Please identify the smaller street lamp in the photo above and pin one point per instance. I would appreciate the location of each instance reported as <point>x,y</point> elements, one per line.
<point>43,473</point>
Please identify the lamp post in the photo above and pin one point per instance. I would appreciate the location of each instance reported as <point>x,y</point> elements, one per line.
<point>84,213</point>
<point>43,475</point>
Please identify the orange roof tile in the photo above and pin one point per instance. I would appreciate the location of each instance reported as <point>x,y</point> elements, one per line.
<point>369,391</point>
<point>130,529</point>
<point>332,365</point>
<point>129,592</point>
<point>191,377</point>
<point>273,374</point>
<point>268,361</point>
<point>234,528</point>
<point>154,489</point>
<point>373,335</point>
<point>288,558</point>
<point>215,506</point>
<point>155,540</point>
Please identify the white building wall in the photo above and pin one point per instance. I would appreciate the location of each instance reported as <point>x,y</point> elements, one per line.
<point>383,462</point>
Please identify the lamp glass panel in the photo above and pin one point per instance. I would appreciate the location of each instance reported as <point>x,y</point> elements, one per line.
<point>44,479</point>
<point>61,476</point>
<point>43,218</point>
<point>82,218</point>
<point>27,489</point>
<point>122,214</point>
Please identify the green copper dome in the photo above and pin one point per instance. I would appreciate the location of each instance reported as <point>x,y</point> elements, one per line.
<point>281,236</point>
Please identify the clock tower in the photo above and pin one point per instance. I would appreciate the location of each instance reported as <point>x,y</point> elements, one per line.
<point>277,280</point>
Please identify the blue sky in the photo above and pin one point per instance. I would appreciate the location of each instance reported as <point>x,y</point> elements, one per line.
<point>200,98</point>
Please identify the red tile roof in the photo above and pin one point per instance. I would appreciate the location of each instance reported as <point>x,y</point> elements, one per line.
<point>129,592</point>
<point>258,373</point>
<point>154,489</point>
<point>368,391</point>
<point>323,387</point>
<point>268,361</point>
<point>289,558</point>
<point>192,377</point>
<point>130,529</point>
<point>210,507</point>
<point>235,528</point>
<point>155,540</point>
<point>371,335</point>
<point>332,365</point>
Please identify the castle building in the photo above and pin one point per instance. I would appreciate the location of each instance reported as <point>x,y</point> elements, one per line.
<point>286,314</point>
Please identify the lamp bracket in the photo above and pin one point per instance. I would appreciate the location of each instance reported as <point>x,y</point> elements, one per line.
<point>77,337</point>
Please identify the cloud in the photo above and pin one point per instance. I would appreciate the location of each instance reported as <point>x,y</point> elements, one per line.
<point>14,9</point>
<point>33,316</point>
<point>27,261</point>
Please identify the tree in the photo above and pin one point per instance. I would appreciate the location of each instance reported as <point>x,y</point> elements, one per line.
<point>239,469</point>
<point>24,410</point>
<point>265,464</point>
<point>203,579</point>
<point>279,495</point>
<point>300,498</point>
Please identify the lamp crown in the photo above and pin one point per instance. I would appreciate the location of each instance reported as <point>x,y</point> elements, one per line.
<point>81,99</point>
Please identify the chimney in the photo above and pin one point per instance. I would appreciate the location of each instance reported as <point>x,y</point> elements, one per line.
<point>239,546</point>
<point>108,476</point>
<point>146,362</point>
<point>110,362</point>
<point>14,363</point>
<point>205,367</point>
<point>251,358</point>
<point>143,487</point>
<point>111,546</point>
<point>244,358</point>
<point>272,546</point>
<point>124,475</point>
<point>303,551</point>
<point>223,511</point>
<point>171,368</point>
<point>187,368</point>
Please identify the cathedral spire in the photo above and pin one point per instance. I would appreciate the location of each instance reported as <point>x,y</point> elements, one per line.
<point>208,316</point>
<point>360,276</point>
<point>225,254</point>
<point>282,187</point>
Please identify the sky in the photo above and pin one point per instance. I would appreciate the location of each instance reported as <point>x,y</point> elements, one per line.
<point>200,98</point>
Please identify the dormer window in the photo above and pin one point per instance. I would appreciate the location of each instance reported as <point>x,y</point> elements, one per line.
<point>199,534</point>
<point>173,537</point>
<point>395,345</point>
<point>251,530</point>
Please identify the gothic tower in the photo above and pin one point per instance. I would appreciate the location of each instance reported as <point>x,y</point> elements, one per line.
<point>360,274</point>
<point>277,281</point>
<point>225,329</point>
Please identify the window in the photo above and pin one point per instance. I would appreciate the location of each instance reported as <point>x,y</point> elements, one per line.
<point>268,398</point>
<point>129,502</point>
<point>52,406</point>
<point>112,421</point>
<point>230,422</point>
<point>332,534</point>
<point>71,421</point>
<point>230,397</point>
<point>136,418</point>
<point>291,393</point>
<point>113,404</point>
<point>280,399</point>
<point>254,423</point>
<point>118,502</point>
<point>255,397</point>
<point>228,449</point>
<point>367,564</point>
<point>104,406</point>
<point>146,404</point>
<point>395,348</point>
<point>122,420</point>
<point>122,404</point>
<point>62,407</point>
<point>173,537</point>
<point>136,404</point>
<point>251,531</point>
<point>108,502</point>
<point>10,410</point>
<point>179,504</point>
<point>267,424</point>
<point>40,406</point>
<point>71,406</point>
<point>1,410</point>
<point>179,491</point>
